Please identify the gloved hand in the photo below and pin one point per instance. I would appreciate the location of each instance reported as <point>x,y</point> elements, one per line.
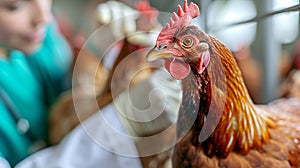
<point>134,24</point>
<point>151,106</point>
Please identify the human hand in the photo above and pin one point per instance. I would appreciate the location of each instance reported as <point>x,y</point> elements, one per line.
<point>135,24</point>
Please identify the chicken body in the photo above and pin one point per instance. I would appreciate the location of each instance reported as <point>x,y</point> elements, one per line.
<point>218,124</point>
<point>246,135</point>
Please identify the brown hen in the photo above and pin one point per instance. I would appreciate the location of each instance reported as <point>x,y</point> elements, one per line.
<point>218,124</point>
<point>90,73</point>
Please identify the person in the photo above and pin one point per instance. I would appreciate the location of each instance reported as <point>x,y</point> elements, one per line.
<point>35,62</point>
<point>94,142</point>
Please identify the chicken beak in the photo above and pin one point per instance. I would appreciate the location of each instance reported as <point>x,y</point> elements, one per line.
<point>155,54</point>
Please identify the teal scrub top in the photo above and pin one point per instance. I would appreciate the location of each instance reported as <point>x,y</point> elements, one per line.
<point>32,83</point>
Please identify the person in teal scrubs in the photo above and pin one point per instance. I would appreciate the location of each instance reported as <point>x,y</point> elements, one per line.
<point>35,63</point>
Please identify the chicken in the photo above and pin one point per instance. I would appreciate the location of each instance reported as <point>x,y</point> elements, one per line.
<point>129,69</point>
<point>89,72</point>
<point>296,62</point>
<point>65,114</point>
<point>290,86</point>
<point>125,72</point>
<point>84,77</point>
<point>218,124</point>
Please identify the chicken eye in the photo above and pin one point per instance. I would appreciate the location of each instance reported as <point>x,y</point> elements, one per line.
<point>187,42</point>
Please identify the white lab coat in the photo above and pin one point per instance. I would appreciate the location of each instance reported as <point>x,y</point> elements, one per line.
<point>100,141</point>
<point>103,139</point>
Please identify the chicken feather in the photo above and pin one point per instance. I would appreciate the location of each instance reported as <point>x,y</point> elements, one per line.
<point>218,123</point>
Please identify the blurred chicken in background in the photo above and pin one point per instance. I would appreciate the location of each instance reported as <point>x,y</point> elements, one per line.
<point>296,62</point>
<point>90,72</point>
<point>291,83</point>
<point>251,72</point>
<point>63,117</point>
<point>123,66</point>
<point>135,36</point>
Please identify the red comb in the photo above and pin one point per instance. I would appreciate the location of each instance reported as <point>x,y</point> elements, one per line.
<point>146,10</point>
<point>143,6</point>
<point>183,18</point>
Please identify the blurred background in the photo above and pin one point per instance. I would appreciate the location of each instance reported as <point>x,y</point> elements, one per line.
<point>267,50</point>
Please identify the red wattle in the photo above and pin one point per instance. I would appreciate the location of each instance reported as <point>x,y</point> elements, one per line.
<point>178,69</point>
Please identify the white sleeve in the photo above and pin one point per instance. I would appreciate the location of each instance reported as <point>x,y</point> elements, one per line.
<point>4,163</point>
<point>100,141</point>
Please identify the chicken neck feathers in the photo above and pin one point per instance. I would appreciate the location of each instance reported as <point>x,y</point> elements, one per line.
<point>246,135</point>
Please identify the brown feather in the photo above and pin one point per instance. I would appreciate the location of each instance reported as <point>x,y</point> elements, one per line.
<point>218,124</point>
<point>246,135</point>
